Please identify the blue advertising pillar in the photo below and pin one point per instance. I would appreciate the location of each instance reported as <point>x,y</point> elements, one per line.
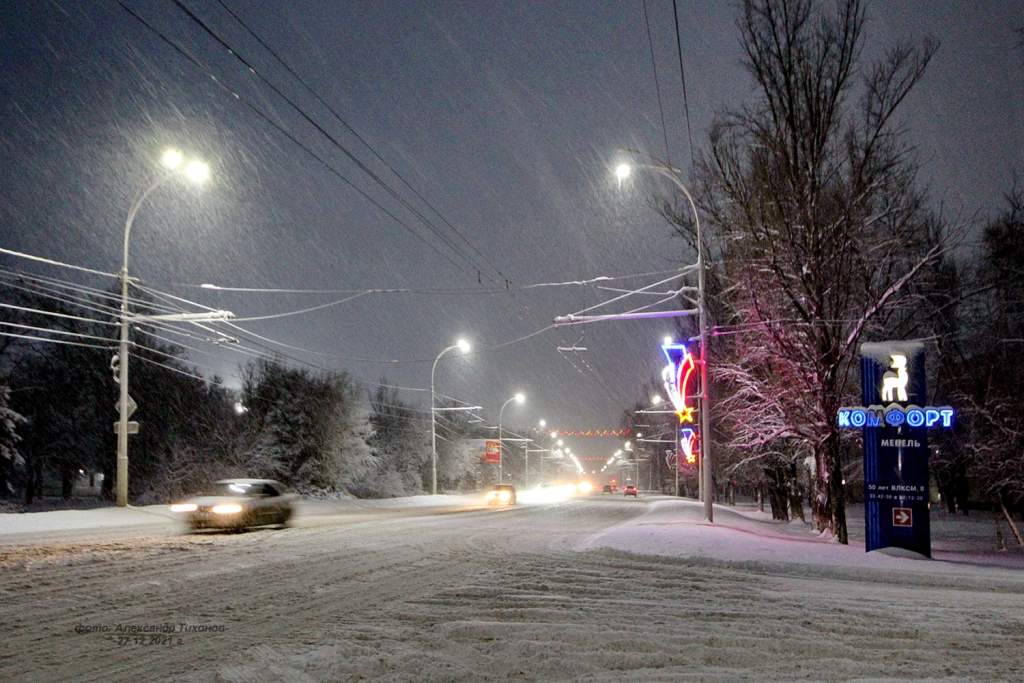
<point>895,453</point>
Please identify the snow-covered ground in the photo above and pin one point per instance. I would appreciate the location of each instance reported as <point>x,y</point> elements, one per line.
<point>676,528</point>
<point>529,593</point>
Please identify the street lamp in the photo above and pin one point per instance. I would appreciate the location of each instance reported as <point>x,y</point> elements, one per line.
<point>623,171</point>
<point>519,398</point>
<point>463,346</point>
<point>198,172</point>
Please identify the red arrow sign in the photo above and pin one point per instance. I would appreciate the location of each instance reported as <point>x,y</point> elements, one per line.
<point>902,517</point>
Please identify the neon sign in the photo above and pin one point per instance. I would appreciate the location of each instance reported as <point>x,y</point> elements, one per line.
<point>894,388</point>
<point>676,378</point>
<point>688,442</point>
<point>895,416</point>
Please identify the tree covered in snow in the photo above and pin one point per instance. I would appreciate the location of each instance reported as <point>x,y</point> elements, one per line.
<point>9,423</point>
<point>813,215</point>
<point>311,430</point>
<point>400,445</point>
<point>991,365</point>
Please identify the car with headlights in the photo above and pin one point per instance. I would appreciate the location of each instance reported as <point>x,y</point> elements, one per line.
<point>501,494</point>
<point>630,490</point>
<point>238,504</point>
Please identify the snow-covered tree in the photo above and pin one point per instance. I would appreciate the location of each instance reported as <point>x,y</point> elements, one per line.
<point>9,423</point>
<point>809,192</point>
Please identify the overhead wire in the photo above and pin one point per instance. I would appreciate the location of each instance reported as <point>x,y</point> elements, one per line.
<point>682,76</point>
<point>269,121</point>
<point>657,86</point>
<point>53,262</point>
<point>280,60</point>
<point>331,138</point>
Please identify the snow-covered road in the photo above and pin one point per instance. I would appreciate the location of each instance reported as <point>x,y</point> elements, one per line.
<point>528,593</point>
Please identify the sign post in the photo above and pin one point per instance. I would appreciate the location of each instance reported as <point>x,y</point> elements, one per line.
<point>895,428</point>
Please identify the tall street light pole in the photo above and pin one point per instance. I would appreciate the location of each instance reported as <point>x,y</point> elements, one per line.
<point>173,162</point>
<point>623,171</point>
<point>463,346</point>
<point>520,399</point>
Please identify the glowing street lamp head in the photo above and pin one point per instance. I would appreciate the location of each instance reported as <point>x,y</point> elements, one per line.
<point>463,346</point>
<point>197,171</point>
<point>520,398</point>
<point>554,435</point>
<point>171,158</point>
<point>656,399</point>
<point>623,171</point>
<point>543,423</point>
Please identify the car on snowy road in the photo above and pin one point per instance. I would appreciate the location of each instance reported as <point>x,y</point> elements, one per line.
<point>238,504</point>
<point>501,494</point>
<point>630,490</point>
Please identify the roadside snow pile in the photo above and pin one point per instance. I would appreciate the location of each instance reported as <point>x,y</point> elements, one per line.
<point>96,518</point>
<point>676,528</point>
<point>425,501</point>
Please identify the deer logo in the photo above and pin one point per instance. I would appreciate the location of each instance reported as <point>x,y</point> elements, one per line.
<point>896,382</point>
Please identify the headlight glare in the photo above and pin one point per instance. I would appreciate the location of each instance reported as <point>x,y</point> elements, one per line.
<point>183,507</point>
<point>227,509</point>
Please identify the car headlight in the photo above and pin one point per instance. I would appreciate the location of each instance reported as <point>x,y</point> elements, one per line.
<point>183,507</point>
<point>504,496</point>
<point>490,495</point>
<point>227,509</point>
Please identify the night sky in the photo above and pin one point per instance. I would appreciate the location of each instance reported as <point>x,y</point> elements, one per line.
<point>505,116</point>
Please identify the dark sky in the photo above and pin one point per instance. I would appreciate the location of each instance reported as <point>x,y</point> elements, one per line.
<point>505,116</point>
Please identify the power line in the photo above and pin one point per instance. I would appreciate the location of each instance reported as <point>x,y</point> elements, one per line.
<point>333,140</point>
<point>427,291</point>
<point>51,262</point>
<point>269,121</point>
<point>56,341</point>
<point>682,76</point>
<point>657,87</point>
<point>359,137</point>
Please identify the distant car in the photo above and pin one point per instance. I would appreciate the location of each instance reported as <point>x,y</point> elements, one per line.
<point>238,504</point>
<point>607,488</point>
<point>630,490</point>
<point>501,494</point>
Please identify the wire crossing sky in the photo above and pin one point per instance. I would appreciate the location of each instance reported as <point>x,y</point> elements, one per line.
<point>455,154</point>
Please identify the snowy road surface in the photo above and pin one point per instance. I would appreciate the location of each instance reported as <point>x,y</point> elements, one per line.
<point>434,594</point>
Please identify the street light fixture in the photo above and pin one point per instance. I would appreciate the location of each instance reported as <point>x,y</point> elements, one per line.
<point>197,172</point>
<point>622,171</point>
<point>519,398</point>
<point>463,346</point>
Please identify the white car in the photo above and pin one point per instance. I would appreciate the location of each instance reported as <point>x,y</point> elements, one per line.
<point>238,504</point>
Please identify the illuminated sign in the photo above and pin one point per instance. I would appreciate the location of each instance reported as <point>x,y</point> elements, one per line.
<point>676,378</point>
<point>894,388</point>
<point>896,416</point>
<point>688,442</point>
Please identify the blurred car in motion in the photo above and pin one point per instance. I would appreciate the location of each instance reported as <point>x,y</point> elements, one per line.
<point>501,494</point>
<point>630,490</point>
<point>238,504</point>
<point>607,488</point>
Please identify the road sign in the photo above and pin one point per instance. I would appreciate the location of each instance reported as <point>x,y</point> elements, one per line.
<point>133,427</point>
<point>131,406</point>
<point>903,517</point>
<point>492,452</point>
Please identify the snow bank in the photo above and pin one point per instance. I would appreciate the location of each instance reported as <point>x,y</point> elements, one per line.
<point>676,528</point>
<point>96,518</point>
